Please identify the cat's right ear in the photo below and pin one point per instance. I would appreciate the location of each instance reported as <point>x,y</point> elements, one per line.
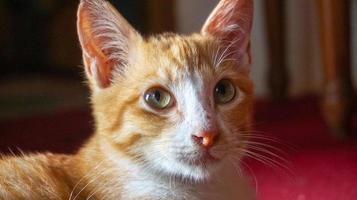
<point>231,23</point>
<point>106,38</point>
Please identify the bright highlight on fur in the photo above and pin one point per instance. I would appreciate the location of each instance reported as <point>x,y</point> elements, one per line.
<point>172,113</point>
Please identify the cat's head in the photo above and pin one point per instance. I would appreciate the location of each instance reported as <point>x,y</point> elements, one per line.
<point>175,105</point>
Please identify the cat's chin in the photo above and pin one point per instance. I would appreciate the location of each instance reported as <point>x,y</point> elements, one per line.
<point>199,170</point>
<point>194,174</point>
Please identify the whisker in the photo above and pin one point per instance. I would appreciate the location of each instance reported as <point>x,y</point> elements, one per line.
<point>263,145</point>
<point>269,153</point>
<point>268,161</point>
<point>84,177</point>
<point>252,175</point>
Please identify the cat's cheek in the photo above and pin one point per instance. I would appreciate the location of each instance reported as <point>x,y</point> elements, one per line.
<point>227,141</point>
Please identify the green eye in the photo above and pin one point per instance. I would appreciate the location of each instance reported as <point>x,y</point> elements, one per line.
<point>158,98</point>
<point>224,92</point>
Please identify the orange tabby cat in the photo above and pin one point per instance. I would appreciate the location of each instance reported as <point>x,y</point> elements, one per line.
<point>171,112</point>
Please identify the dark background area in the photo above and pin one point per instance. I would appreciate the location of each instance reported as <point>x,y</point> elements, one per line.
<point>39,36</point>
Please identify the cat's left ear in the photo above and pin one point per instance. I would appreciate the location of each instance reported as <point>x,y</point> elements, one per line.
<point>106,39</point>
<point>231,22</point>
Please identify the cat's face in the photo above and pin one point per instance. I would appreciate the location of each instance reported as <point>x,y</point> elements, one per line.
<point>175,105</point>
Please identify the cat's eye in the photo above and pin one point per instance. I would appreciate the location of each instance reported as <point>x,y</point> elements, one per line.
<point>158,98</point>
<point>224,91</point>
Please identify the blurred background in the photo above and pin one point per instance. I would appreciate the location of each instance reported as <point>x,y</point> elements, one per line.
<point>304,69</point>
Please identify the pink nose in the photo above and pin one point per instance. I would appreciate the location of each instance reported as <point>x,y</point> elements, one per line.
<point>205,138</point>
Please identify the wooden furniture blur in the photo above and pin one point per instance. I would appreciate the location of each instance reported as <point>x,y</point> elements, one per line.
<point>277,73</point>
<point>336,103</point>
<point>335,44</point>
<point>161,16</point>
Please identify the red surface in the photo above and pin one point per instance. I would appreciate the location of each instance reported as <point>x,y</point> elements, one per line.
<point>321,168</point>
<point>329,174</point>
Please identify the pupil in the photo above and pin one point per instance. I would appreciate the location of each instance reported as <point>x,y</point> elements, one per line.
<point>221,89</point>
<point>157,95</point>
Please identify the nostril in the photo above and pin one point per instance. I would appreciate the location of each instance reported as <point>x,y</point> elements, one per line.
<point>197,139</point>
<point>205,139</point>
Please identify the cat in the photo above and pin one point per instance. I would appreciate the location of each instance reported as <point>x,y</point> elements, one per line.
<point>172,114</point>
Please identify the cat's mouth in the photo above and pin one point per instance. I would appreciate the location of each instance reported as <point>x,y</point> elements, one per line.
<point>202,158</point>
<point>207,158</point>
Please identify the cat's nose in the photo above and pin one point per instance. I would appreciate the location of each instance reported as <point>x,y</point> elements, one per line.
<point>205,138</point>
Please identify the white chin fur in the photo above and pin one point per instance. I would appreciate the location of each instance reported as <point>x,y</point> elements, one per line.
<point>184,171</point>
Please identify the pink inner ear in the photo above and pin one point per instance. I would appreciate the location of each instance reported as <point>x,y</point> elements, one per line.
<point>91,46</point>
